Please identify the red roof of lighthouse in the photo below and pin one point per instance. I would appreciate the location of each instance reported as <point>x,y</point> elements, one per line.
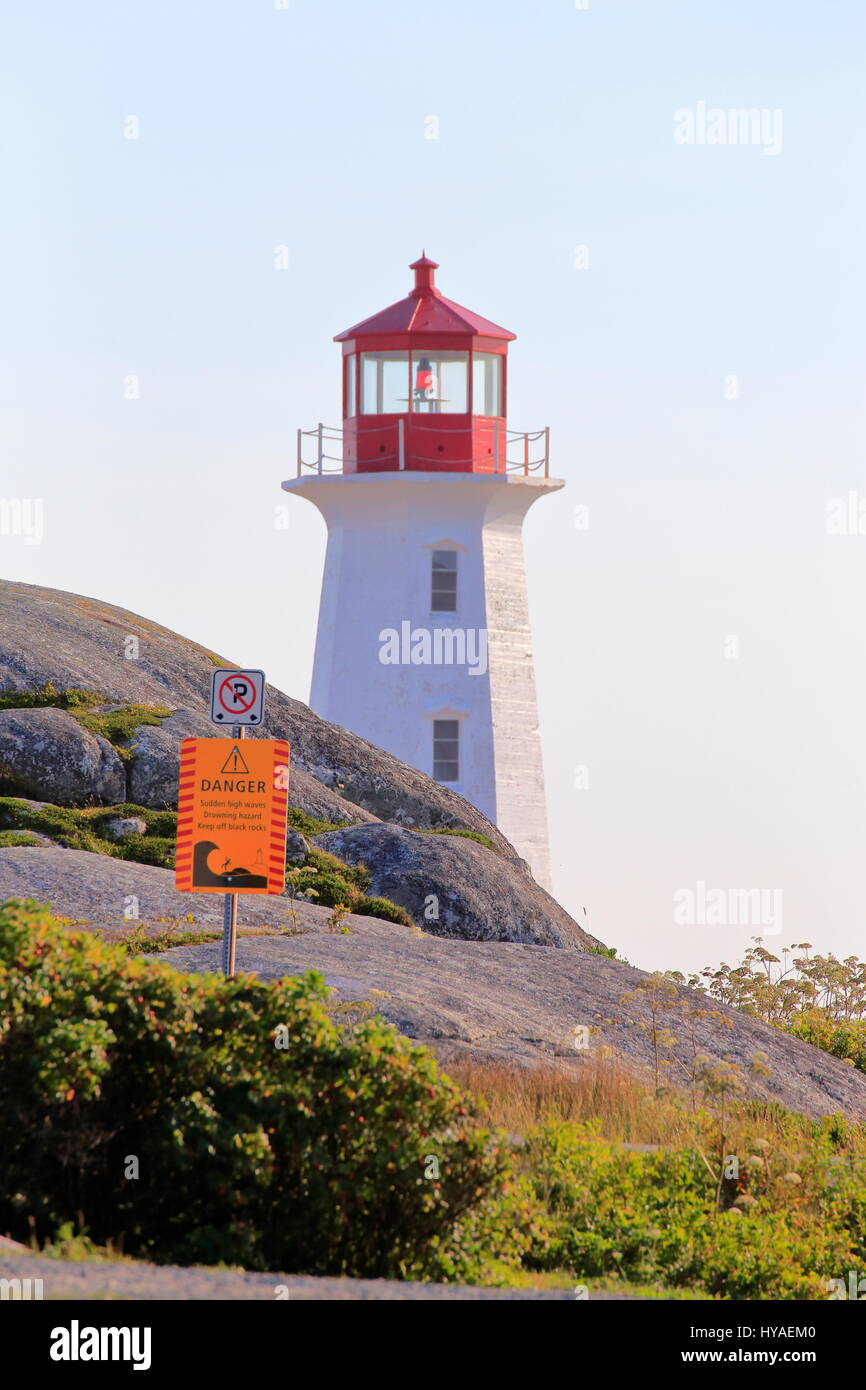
<point>425,310</point>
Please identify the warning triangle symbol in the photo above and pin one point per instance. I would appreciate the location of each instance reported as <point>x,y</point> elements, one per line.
<point>234,762</point>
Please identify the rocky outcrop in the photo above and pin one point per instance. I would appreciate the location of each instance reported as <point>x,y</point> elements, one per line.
<point>454,887</point>
<point>71,641</point>
<point>520,1005</point>
<point>155,760</point>
<point>451,885</point>
<point>45,754</point>
<point>50,635</point>
<point>297,847</point>
<point>501,1003</point>
<point>97,890</point>
<point>153,769</point>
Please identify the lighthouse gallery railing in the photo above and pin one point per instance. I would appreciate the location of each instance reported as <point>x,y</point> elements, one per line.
<point>524,442</point>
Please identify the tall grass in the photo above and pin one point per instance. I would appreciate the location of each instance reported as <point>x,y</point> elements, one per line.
<point>625,1109</point>
<point>519,1098</point>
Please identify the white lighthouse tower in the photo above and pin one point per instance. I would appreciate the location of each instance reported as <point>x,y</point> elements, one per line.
<point>423,642</point>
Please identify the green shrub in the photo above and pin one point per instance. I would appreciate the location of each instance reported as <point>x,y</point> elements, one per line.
<point>311,825</point>
<point>845,1038</point>
<point>844,1204</point>
<point>610,952</point>
<point>769,1255</point>
<point>344,885</point>
<point>356,876</point>
<point>85,829</point>
<point>336,883</point>
<point>59,823</point>
<point>384,908</point>
<point>48,695</point>
<point>163,824</point>
<point>306,1157</point>
<point>614,1211</point>
<point>145,849</point>
<point>333,890</point>
<point>651,1216</point>
<point>69,1244</point>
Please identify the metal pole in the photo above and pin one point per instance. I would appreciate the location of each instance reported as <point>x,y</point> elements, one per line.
<point>495,448</point>
<point>321,446</point>
<point>230,917</point>
<point>300,451</point>
<point>401,444</point>
<point>546,449</point>
<point>526,455</point>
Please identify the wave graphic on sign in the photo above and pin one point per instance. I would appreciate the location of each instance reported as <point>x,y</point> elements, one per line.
<point>203,875</point>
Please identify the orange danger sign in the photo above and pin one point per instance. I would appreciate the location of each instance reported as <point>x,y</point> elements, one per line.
<point>231,821</point>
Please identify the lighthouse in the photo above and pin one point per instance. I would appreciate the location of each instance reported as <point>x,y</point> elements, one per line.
<point>423,644</point>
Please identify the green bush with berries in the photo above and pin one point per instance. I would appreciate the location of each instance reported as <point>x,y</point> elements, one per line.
<point>196,1119</point>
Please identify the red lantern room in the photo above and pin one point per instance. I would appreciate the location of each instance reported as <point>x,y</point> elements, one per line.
<point>424,385</point>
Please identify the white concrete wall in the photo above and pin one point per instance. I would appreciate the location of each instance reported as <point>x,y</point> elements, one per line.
<point>382,529</point>
<point>521,807</point>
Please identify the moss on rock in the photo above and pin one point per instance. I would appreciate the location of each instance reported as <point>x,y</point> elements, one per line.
<point>87,828</point>
<point>48,696</point>
<point>466,834</point>
<point>118,723</point>
<point>14,839</point>
<point>312,825</point>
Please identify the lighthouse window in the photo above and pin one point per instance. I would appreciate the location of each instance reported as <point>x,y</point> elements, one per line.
<point>350,386</point>
<point>446,744</point>
<point>440,382</point>
<point>384,383</point>
<point>444,586</point>
<point>486,383</point>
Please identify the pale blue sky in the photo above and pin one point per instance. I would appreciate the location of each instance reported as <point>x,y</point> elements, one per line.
<point>305,128</point>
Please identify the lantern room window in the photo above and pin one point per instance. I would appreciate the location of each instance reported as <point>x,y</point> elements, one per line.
<point>351,406</point>
<point>440,381</point>
<point>384,382</point>
<point>486,383</point>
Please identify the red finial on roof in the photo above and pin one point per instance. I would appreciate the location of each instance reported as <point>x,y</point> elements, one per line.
<point>424,270</point>
<point>425,310</point>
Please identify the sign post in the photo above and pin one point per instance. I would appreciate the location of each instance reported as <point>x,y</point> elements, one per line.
<point>232,805</point>
<point>230,913</point>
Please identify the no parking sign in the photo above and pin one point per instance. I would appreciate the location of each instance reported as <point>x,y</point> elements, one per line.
<point>237,697</point>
